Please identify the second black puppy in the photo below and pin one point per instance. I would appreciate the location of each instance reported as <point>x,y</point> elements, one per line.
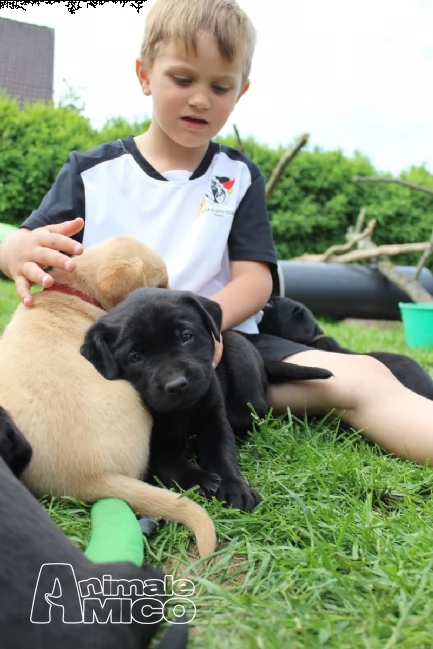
<point>163,343</point>
<point>37,559</point>
<point>292,320</point>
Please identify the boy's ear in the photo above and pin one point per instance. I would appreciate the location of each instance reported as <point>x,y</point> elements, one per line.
<point>243,90</point>
<point>142,76</point>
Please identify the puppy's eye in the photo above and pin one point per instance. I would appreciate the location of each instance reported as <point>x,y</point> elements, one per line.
<point>185,337</point>
<point>135,358</point>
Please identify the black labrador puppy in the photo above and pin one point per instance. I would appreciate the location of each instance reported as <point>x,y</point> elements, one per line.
<point>163,343</point>
<point>36,611</point>
<point>244,377</point>
<point>292,320</point>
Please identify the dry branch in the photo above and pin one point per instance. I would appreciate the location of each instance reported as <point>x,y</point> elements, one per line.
<point>238,139</point>
<point>345,247</point>
<point>424,258</point>
<point>360,221</point>
<point>407,283</point>
<point>285,159</point>
<point>371,253</point>
<point>380,179</point>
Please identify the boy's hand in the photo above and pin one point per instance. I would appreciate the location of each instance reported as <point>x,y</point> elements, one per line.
<point>25,254</point>
<point>218,352</point>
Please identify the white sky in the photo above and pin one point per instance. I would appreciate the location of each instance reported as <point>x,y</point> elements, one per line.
<point>355,75</point>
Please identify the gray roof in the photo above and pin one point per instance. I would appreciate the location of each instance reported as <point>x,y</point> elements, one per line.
<point>26,60</point>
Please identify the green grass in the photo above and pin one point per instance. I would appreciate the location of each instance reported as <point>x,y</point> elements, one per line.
<point>338,554</point>
<point>8,301</point>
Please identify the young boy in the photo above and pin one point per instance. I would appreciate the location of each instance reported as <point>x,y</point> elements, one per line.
<point>202,207</point>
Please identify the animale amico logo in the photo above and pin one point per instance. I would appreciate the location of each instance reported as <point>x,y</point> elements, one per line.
<point>118,601</point>
<point>218,193</point>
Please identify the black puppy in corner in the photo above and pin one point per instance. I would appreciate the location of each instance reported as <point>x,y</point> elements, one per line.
<point>32,614</point>
<point>162,341</point>
<point>292,320</point>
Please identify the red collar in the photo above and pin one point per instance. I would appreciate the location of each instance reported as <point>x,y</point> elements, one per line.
<point>68,290</point>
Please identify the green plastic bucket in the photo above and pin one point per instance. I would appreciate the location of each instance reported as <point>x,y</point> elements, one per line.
<point>417,324</point>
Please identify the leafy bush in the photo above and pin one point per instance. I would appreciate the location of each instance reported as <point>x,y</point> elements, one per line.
<point>119,128</point>
<point>311,208</point>
<point>316,201</point>
<point>34,144</point>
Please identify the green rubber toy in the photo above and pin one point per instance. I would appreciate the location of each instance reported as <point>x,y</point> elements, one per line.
<point>116,534</point>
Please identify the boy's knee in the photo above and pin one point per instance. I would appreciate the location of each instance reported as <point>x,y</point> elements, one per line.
<point>367,366</point>
<point>351,369</point>
<point>359,379</point>
<point>369,378</point>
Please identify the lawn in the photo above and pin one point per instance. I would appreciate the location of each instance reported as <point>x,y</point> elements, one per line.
<point>338,554</point>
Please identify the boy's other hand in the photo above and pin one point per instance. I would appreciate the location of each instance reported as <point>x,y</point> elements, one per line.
<point>26,253</point>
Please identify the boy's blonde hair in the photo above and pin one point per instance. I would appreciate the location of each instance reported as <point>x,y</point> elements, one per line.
<point>183,20</point>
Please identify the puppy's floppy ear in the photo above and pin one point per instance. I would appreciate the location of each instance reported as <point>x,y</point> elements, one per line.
<point>211,313</point>
<point>119,278</point>
<point>300,325</point>
<point>294,320</point>
<point>96,349</point>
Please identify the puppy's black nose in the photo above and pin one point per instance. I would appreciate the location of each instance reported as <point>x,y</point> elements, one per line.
<point>176,385</point>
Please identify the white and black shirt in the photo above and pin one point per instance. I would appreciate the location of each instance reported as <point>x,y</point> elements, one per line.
<point>198,222</point>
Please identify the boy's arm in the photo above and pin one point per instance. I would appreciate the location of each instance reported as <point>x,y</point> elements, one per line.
<point>247,292</point>
<point>252,257</point>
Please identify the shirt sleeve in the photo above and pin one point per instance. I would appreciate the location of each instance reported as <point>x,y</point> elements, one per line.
<point>63,202</point>
<point>251,234</point>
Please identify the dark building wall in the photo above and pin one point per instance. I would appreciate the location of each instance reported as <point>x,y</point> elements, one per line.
<point>26,60</point>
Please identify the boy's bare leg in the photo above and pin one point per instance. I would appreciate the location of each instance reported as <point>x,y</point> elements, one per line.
<point>367,396</point>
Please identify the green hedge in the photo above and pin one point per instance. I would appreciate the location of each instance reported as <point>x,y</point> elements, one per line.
<point>311,208</point>
<point>316,201</point>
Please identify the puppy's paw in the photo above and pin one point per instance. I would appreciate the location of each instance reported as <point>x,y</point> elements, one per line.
<point>239,495</point>
<point>209,485</point>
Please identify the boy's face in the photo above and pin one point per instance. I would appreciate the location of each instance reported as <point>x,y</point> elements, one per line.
<point>193,95</point>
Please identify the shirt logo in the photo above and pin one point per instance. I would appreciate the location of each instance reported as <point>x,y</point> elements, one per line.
<point>218,193</point>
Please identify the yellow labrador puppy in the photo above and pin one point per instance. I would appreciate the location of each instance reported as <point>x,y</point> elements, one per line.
<point>90,436</point>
